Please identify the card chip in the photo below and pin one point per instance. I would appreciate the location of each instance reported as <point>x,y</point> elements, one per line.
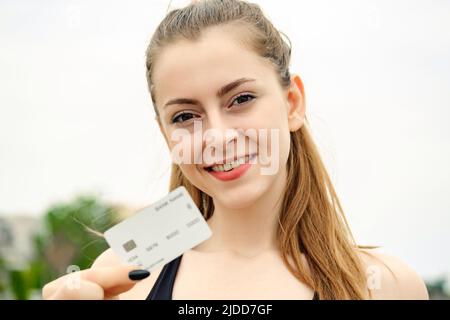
<point>129,245</point>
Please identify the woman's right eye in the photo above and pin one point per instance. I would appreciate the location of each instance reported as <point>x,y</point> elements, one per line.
<point>182,117</point>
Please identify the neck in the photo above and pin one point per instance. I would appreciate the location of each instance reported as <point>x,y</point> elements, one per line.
<point>247,231</point>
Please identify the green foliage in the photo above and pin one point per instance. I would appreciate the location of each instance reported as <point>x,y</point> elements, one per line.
<point>2,275</point>
<point>437,289</point>
<point>64,241</point>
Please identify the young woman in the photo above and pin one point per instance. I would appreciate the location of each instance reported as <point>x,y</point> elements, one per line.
<point>222,65</point>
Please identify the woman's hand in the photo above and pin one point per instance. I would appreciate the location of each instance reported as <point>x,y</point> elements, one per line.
<point>94,283</point>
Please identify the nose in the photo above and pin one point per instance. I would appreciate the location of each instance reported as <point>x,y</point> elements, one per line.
<point>216,120</point>
<point>219,131</point>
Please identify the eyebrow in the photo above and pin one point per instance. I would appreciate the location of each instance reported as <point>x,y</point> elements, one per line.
<point>222,91</point>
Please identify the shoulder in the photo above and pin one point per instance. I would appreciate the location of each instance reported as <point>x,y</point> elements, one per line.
<point>388,277</point>
<point>141,290</point>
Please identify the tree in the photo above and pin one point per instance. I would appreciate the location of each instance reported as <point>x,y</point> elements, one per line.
<point>71,239</point>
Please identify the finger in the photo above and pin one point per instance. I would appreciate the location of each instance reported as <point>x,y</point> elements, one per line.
<point>119,279</point>
<point>50,288</point>
<point>84,290</point>
<point>68,279</point>
<point>113,279</point>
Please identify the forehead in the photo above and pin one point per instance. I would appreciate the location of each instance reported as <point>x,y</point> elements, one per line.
<point>188,68</point>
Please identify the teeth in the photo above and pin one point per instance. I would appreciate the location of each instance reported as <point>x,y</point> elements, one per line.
<point>230,165</point>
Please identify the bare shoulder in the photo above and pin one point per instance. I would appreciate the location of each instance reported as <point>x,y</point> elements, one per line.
<point>141,290</point>
<point>388,277</point>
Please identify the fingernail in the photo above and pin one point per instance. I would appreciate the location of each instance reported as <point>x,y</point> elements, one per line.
<point>138,274</point>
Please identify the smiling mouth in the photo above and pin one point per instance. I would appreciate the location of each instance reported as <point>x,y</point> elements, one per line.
<point>231,165</point>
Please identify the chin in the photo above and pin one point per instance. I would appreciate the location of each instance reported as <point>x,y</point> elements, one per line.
<point>240,196</point>
<point>236,202</point>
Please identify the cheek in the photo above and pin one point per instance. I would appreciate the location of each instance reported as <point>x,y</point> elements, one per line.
<point>272,116</point>
<point>279,120</point>
<point>189,171</point>
<point>184,147</point>
<point>275,149</point>
<point>285,145</point>
<point>269,113</point>
<point>194,175</point>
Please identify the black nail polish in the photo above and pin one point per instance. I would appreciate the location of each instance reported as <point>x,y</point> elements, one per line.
<point>138,274</point>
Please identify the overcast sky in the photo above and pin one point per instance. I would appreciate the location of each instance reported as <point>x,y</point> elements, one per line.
<point>75,114</point>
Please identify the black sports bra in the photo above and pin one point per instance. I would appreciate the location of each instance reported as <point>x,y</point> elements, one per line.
<point>162,289</point>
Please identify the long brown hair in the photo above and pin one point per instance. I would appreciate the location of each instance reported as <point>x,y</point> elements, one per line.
<point>311,220</point>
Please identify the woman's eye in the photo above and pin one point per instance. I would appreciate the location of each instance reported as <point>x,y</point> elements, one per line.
<point>182,117</point>
<point>243,99</point>
<point>185,116</point>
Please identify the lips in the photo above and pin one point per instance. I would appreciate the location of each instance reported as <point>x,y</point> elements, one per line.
<point>232,174</point>
<point>230,160</point>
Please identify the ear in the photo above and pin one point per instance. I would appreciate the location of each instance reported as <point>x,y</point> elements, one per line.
<point>296,104</point>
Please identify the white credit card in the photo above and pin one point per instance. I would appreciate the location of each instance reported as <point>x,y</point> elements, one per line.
<point>159,233</point>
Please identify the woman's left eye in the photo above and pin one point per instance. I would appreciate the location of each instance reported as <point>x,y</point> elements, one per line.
<point>243,98</point>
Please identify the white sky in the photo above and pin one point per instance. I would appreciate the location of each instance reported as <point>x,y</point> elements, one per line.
<point>75,114</point>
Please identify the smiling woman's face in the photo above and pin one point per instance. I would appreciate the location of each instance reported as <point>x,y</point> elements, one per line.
<point>195,72</point>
